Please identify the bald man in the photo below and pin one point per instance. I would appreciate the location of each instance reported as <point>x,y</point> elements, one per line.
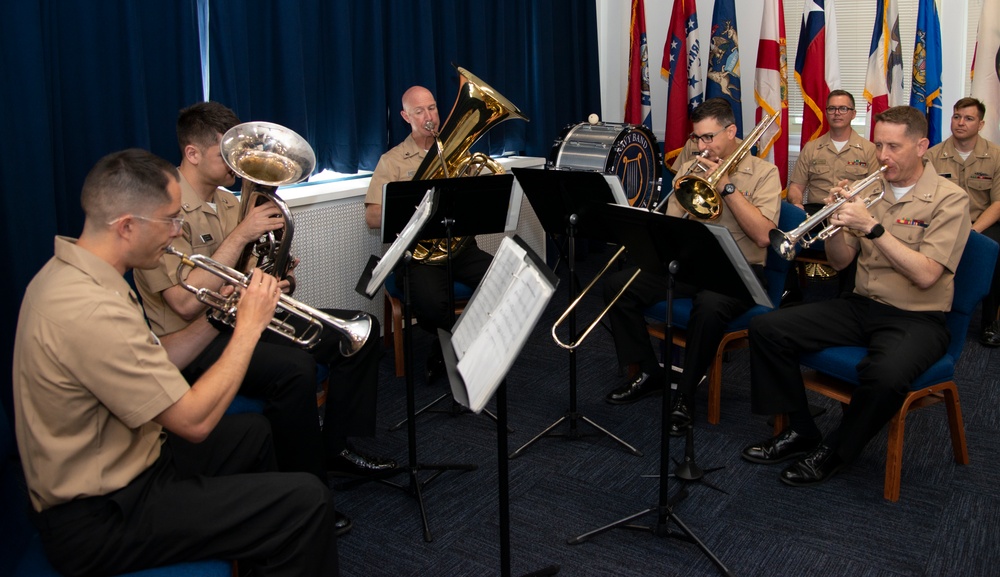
<point>428,282</point>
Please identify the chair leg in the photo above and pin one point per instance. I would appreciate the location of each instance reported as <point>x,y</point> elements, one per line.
<point>894,454</point>
<point>780,422</point>
<point>715,389</point>
<point>955,424</point>
<point>397,337</point>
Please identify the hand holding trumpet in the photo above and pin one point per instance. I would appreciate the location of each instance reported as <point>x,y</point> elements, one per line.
<point>257,302</point>
<point>853,211</point>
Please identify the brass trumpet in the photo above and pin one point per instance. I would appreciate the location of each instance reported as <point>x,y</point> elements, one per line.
<point>697,195</point>
<point>784,243</point>
<point>578,340</point>
<point>353,332</point>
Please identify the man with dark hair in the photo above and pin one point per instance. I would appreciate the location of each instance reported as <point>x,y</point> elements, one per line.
<point>908,247</point>
<point>752,195</point>
<point>973,163</point>
<point>281,374</point>
<point>127,466</point>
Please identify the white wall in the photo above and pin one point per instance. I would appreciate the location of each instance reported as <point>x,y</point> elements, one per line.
<point>613,22</point>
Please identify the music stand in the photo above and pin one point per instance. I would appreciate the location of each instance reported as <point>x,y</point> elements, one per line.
<point>465,206</point>
<point>700,254</point>
<point>570,202</point>
<point>407,230</point>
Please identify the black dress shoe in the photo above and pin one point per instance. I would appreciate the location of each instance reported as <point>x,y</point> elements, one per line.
<point>991,335</point>
<point>341,524</point>
<point>352,462</point>
<point>786,445</point>
<point>641,387</point>
<point>680,415</point>
<point>816,467</point>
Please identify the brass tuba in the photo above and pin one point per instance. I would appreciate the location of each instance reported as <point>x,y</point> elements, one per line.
<point>267,156</point>
<point>477,109</point>
<point>697,194</point>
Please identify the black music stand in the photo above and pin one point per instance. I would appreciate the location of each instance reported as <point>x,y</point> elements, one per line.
<point>696,253</point>
<point>569,202</point>
<point>464,206</point>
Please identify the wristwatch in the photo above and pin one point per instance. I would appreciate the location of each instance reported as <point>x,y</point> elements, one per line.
<point>877,231</point>
<point>728,189</point>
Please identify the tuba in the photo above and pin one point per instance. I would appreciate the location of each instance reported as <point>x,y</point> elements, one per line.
<point>477,109</point>
<point>697,195</point>
<point>267,156</point>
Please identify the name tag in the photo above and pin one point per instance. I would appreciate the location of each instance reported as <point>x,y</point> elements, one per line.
<point>207,237</point>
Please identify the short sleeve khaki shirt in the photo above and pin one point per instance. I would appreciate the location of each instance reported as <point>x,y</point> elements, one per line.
<point>978,175</point>
<point>89,377</point>
<point>821,166</point>
<point>204,230</point>
<point>400,163</point>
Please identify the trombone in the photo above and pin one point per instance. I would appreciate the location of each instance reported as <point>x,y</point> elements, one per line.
<point>661,207</point>
<point>784,243</point>
<point>353,332</point>
<point>578,340</point>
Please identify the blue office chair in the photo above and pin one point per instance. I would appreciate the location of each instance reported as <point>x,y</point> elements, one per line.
<point>394,311</point>
<point>775,270</point>
<point>21,553</point>
<point>833,374</point>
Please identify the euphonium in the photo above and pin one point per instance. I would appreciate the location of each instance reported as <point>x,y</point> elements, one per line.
<point>267,156</point>
<point>697,195</point>
<point>353,332</point>
<point>477,109</point>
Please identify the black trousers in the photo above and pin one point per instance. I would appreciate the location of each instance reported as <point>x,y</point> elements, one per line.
<point>429,285</point>
<point>284,376</point>
<point>710,313</point>
<point>218,499</point>
<point>901,345</point>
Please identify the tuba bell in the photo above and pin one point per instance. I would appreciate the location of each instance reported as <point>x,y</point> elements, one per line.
<point>267,156</point>
<point>477,109</point>
<point>697,194</point>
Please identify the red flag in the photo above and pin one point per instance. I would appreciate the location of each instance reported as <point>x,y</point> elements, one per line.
<point>884,80</point>
<point>816,68</point>
<point>637,102</point>
<point>771,87</point>
<point>681,69</point>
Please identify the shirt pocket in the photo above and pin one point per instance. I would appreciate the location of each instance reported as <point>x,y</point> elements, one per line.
<point>855,172</point>
<point>911,235</point>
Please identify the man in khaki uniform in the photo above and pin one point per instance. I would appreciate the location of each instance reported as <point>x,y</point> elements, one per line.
<point>752,200</point>
<point>973,163</point>
<point>909,247</point>
<point>840,154</point>
<point>110,433</point>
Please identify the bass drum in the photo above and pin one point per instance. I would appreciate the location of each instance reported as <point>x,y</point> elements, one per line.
<point>627,150</point>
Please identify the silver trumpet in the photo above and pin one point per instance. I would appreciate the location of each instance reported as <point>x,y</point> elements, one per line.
<point>353,332</point>
<point>784,243</point>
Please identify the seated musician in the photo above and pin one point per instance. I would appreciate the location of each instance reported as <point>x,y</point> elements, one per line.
<point>428,281</point>
<point>281,373</point>
<point>752,195</point>
<point>127,466</point>
<point>908,247</point>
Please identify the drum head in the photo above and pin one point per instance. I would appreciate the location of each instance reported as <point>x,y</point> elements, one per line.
<point>628,151</point>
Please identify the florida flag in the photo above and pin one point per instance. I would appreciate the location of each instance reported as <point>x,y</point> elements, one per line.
<point>771,87</point>
<point>637,103</point>
<point>681,68</point>
<point>925,95</point>
<point>884,80</point>
<point>986,68</point>
<point>817,70</point>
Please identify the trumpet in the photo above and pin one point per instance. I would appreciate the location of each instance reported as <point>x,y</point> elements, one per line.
<point>784,243</point>
<point>578,340</point>
<point>353,332</point>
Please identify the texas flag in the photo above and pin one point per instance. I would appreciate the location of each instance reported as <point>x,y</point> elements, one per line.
<point>771,87</point>
<point>637,103</point>
<point>816,65</point>
<point>884,80</point>
<point>681,68</point>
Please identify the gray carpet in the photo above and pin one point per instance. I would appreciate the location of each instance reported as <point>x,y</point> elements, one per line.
<point>945,523</point>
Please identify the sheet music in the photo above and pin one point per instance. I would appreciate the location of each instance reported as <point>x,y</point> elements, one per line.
<point>404,239</point>
<point>498,321</point>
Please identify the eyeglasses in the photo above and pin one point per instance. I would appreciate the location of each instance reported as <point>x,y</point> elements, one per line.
<point>840,109</point>
<point>707,138</point>
<point>175,222</point>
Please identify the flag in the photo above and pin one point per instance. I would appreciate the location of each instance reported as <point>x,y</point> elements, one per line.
<point>884,80</point>
<point>771,87</point>
<point>681,68</point>
<point>637,103</point>
<point>986,68</point>
<point>816,65</point>
<point>724,60</point>
<point>925,95</point>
